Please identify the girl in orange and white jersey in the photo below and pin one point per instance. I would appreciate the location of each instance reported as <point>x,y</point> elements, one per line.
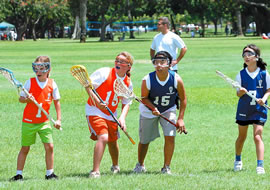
<point>44,90</point>
<point>101,124</point>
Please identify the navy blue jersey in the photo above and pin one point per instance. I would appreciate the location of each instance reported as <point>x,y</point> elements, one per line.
<point>249,109</point>
<point>163,97</point>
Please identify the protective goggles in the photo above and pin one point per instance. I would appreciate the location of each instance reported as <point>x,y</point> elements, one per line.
<point>122,62</point>
<point>160,61</point>
<point>248,54</point>
<point>41,67</point>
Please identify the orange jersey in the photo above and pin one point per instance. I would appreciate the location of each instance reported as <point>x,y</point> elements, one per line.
<point>32,114</point>
<point>106,92</point>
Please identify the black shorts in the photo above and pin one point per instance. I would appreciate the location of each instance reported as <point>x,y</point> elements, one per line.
<point>250,122</point>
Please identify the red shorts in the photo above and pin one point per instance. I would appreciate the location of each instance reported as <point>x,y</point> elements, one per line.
<point>99,126</point>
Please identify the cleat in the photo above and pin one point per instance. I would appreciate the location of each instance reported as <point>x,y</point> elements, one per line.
<point>166,170</point>
<point>17,177</point>
<point>94,174</point>
<point>260,170</point>
<point>115,169</point>
<point>52,176</point>
<point>139,168</point>
<point>238,165</point>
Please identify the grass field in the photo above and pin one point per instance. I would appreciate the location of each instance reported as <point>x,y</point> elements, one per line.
<point>203,159</point>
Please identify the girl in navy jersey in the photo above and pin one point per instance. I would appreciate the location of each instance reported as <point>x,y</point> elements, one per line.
<point>159,90</point>
<point>254,79</point>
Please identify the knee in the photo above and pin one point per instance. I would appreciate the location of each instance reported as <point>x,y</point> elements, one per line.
<point>257,138</point>
<point>25,150</point>
<point>169,140</point>
<point>103,138</point>
<point>49,147</point>
<point>241,139</point>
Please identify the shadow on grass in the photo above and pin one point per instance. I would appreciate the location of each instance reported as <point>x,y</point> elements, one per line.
<point>109,173</point>
<point>218,170</point>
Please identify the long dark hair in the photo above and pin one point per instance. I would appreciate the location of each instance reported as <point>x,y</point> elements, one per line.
<point>260,62</point>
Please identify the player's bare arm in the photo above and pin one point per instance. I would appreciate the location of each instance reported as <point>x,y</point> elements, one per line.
<point>183,104</point>
<point>145,100</point>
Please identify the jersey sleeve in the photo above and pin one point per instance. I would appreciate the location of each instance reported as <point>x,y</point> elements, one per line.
<point>147,80</point>
<point>56,93</point>
<point>27,87</point>
<point>267,80</point>
<point>99,76</point>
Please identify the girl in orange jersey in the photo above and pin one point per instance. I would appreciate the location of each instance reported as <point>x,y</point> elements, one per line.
<point>44,90</point>
<point>102,127</point>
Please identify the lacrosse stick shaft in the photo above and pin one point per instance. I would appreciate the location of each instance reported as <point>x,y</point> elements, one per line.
<point>115,119</point>
<point>162,116</point>
<point>236,85</point>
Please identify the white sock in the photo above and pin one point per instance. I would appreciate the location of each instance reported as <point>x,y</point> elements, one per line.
<point>19,172</point>
<point>49,172</point>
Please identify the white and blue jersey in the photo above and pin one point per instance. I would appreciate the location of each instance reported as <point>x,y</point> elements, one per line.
<point>248,109</point>
<point>163,97</point>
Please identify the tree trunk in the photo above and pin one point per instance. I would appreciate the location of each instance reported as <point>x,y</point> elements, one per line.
<point>83,10</point>
<point>239,23</point>
<point>77,29</point>
<point>130,19</point>
<point>103,28</point>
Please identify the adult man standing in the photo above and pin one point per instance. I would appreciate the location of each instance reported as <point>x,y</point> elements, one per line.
<point>168,41</point>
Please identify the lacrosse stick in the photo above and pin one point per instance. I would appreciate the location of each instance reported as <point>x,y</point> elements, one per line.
<point>79,72</point>
<point>122,90</point>
<point>235,84</point>
<point>8,74</point>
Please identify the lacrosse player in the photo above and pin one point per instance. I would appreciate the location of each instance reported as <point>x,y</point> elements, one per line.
<point>254,79</point>
<point>101,124</point>
<point>158,91</point>
<point>43,89</point>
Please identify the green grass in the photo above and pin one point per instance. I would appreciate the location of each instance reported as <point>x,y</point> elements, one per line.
<point>203,159</point>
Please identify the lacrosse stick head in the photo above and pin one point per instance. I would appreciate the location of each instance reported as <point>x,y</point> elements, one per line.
<point>8,74</point>
<point>121,89</point>
<point>80,73</point>
<point>234,84</point>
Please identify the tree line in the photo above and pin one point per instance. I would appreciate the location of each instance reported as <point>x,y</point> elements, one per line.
<point>34,18</point>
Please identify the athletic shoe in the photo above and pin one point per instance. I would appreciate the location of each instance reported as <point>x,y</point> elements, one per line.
<point>166,170</point>
<point>52,176</point>
<point>238,165</point>
<point>260,170</point>
<point>16,178</point>
<point>115,169</point>
<point>139,168</point>
<point>94,174</point>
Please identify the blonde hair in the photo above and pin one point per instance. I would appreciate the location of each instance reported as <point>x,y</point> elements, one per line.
<point>129,58</point>
<point>43,59</point>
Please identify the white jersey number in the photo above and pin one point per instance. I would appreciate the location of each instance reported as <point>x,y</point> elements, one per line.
<point>253,93</point>
<point>115,99</point>
<point>39,112</point>
<point>165,100</point>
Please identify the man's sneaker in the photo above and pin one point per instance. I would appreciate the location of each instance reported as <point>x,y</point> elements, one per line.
<point>94,174</point>
<point>166,170</point>
<point>260,170</point>
<point>115,169</point>
<point>52,176</point>
<point>16,178</point>
<point>139,168</point>
<point>238,165</point>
